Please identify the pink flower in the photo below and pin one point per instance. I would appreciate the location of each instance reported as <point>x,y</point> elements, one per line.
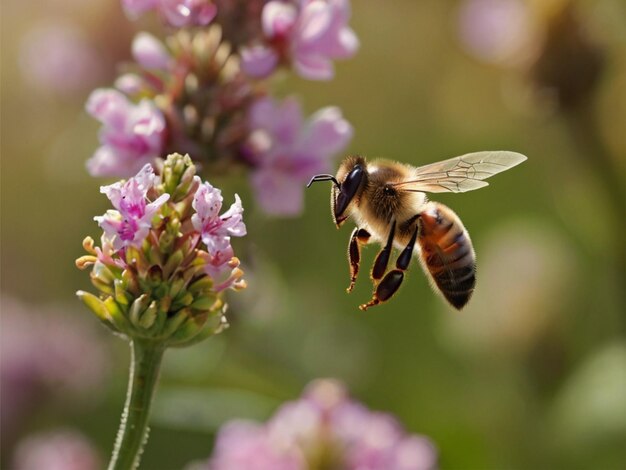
<point>310,34</point>
<point>242,444</point>
<point>496,31</point>
<point>57,57</point>
<point>325,421</point>
<point>130,223</point>
<point>131,136</point>
<point>150,53</point>
<point>286,151</point>
<point>216,229</point>
<point>59,450</point>
<point>177,13</point>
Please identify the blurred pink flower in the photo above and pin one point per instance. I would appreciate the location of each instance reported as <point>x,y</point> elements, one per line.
<point>58,450</point>
<point>242,444</point>
<point>216,229</point>
<point>177,13</point>
<point>45,355</point>
<point>323,429</point>
<point>150,53</point>
<point>130,223</point>
<point>286,151</point>
<point>309,34</point>
<point>58,58</point>
<point>131,136</point>
<point>496,31</point>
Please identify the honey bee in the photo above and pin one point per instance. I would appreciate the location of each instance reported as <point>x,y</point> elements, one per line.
<point>387,201</point>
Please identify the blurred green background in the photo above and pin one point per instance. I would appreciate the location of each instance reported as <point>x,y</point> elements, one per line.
<point>532,374</point>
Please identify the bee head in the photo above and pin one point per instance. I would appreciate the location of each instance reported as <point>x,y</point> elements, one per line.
<point>350,180</point>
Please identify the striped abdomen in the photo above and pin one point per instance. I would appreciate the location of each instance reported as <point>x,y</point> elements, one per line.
<point>447,253</point>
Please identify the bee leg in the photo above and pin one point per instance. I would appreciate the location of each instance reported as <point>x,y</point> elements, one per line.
<point>393,279</point>
<point>359,237</point>
<point>382,260</point>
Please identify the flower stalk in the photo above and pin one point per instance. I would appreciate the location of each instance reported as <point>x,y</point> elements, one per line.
<point>164,263</point>
<point>132,436</point>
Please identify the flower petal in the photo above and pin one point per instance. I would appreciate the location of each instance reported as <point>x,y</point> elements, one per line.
<point>278,193</point>
<point>314,22</point>
<point>108,106</point>
<point>328,132</point>
<point>258,61</point>
<point>278,18</point>
<point>314,67</point>
<point>150,52</point>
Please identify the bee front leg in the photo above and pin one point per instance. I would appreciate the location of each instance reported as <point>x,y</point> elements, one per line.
<point>390,284</point>
<point>359,237</point>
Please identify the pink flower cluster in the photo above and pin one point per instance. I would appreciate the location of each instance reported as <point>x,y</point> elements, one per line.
<point>129,224</point>
<point>176,13</point>
<point>198,93</point>
<point>63,449</point>
<point>323,429</point>
<point>308,34</point>
<point>132,134</point>
<point>285,150</point>
<point>216,230</point>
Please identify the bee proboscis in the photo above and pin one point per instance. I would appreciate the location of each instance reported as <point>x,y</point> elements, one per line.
<point>387,201</point>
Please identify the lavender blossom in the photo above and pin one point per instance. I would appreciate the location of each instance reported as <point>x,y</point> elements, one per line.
<point>215,232</point>
<point>190,93</point>
<point>216,229</point>
<point>58,450</point>
<point>130,223</point>
<point>176,13</point>
<point>131,137</point>
<point>309,34</point>
<point>161,267</point>
<point>150,53</point>
<point>323,429</point>
<point>285,151</point>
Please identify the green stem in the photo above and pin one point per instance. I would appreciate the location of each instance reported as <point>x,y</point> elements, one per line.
<point>133,433</point>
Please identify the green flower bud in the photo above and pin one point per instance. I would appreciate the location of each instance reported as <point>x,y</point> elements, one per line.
<point>137,308</point>
<point>148,318</point>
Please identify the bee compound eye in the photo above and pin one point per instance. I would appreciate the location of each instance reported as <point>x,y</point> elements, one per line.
<point>352,181</point>
<point>348,190</point>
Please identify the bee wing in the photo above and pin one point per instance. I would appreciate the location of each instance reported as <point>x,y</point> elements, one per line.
<point>460,174</point>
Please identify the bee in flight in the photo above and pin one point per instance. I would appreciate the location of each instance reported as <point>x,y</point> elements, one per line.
<point>387,201</point>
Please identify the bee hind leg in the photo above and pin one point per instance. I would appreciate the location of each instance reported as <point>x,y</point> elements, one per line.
<point>359,237</point>
<point>390,284</point>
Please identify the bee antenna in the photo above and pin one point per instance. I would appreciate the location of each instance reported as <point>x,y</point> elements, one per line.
<point>324,178</point>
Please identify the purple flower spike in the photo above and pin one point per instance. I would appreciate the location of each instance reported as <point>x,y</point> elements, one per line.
<point>131,136</point>
<point>309,34</point>
<point>324,426</point>
<point>286,152</point>
<point>130,223</point>
<point>216,229</point>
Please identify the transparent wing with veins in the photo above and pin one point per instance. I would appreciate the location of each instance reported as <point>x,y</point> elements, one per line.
<point>460,174</point>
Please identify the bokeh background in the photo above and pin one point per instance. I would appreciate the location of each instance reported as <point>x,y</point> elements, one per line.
<point>532,374</point>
